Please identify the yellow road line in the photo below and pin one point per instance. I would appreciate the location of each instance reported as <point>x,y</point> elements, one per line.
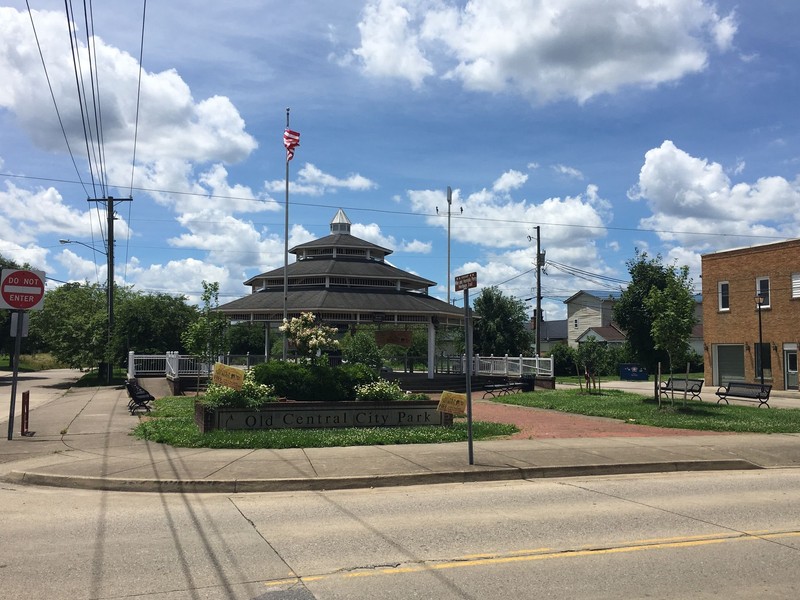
<point>476,560</point>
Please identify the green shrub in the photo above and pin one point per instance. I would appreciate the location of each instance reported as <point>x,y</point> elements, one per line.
<point>252,394</point>
<point>311,382</point>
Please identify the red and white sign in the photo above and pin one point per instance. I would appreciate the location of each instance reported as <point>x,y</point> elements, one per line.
<point>21,289</point>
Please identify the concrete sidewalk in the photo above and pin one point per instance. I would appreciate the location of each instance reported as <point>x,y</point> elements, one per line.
<point>82,440</point>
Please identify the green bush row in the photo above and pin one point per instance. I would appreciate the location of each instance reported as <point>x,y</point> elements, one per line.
<point>313,382</point>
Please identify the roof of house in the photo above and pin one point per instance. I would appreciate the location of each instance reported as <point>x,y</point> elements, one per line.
<point>606,334</point>
<point>599,294</point>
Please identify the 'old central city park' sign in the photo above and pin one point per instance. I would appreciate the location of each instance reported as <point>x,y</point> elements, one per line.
<point>284,415</point>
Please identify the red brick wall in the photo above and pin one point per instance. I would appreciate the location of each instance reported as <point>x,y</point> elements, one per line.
<point>780,322</point>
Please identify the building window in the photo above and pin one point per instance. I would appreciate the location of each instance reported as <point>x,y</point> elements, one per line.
<point>795,285</point>
<point>723,290</point>
<point>762,289</point>
<point>576,324</point>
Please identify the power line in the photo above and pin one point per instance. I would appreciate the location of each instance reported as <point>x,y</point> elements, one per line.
<point>53,97</point>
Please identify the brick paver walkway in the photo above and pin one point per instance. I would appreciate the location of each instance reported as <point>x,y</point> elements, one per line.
<point>540,423</point>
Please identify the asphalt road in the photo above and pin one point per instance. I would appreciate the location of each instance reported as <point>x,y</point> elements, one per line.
<point>680,535</point>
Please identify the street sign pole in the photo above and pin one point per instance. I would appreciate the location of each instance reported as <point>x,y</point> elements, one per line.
<point>468,339</point>
<point>465,282</point>
<point>20,319</point>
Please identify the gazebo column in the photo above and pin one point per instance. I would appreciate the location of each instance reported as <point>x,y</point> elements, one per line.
<point>431,350</point>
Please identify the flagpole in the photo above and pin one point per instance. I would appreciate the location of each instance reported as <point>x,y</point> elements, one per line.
<point>286,253</point>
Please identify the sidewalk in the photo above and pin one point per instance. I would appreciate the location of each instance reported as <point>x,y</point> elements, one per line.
<point>82,441</point>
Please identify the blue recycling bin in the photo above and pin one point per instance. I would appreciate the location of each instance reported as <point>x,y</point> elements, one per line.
<point>632,372</point>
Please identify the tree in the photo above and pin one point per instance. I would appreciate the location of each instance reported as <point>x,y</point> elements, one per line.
<point>672,313</point>
<point>502,324</point>
<point>149,323</point>
<point>205,337</point>
<point>360,347</point>
<point>592,358</point>
<point>244,338</point>
<point>73,325</point>
<point>631,312</point>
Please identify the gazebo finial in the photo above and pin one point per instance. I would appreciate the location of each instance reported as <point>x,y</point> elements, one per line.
<point>340,223</point>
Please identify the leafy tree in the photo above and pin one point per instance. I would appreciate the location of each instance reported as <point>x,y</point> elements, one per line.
<point>501,326</point>
<point>73,324</point>
<point>672,313</point>
<point>592,358</point>
<point>243,338</point>
<point>631,312</point>
<point>360,347</point>
<point>149,323</point>
<point>205,337</point>
<point>563,359</point>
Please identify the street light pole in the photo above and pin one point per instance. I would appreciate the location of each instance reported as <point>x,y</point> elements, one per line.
<point>109,254</point>
<point>759,302</point>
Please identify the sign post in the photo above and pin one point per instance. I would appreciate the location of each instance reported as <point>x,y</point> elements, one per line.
<point>20,290</point>
<point>465,282</point>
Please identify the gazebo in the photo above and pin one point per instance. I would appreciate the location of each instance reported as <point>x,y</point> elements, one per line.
<point>345,281</point>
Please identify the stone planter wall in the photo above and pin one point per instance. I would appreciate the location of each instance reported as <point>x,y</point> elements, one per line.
<point>294,415</point>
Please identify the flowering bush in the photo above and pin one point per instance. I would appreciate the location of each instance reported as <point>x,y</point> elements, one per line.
<point>252,394</point>
<point>308,336</point>
<point>379,391</point>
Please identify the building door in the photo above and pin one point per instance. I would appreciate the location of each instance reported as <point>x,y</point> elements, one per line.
<point>729,363</point>
<point>790,360</point>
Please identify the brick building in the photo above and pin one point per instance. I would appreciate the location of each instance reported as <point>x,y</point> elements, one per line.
<point>733,283</point>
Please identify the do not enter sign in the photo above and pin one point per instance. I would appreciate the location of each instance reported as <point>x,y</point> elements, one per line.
<point>21,289</point>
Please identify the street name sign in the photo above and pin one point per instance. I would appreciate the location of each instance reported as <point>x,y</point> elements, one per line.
<point>465,282</point>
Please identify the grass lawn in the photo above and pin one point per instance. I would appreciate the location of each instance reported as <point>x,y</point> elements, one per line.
<point>635,408</point>
<point>30,362</point>
<point>172,423</point>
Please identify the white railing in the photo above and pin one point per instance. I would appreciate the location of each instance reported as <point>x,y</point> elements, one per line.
<point>174,364</point>
<point>146,364</point>
<point>512,366</point>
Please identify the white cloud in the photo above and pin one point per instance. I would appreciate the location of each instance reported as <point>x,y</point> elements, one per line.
<point>43,211</point>
<point>568,171</point>
<point>510,180</point>
<point>312,181</point>
<point>542,49</point>
<point>388,45</point>
<point>173,128</point>
<point>692,199</point>
<point>372,233</point>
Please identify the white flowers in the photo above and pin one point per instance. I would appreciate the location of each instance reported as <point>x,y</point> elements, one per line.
<point>308,336</point>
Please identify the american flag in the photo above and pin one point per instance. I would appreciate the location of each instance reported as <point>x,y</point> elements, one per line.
<point>291,139</point>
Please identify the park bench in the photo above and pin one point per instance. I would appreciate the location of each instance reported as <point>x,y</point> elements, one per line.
<point>139,397</point>
<point>681,384</point>
<point>753,392</point>
<point>501,387</point>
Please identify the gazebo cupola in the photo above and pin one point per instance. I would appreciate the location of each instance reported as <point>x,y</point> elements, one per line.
<point>340,223</point>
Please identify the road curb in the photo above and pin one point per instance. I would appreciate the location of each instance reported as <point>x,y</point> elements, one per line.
<point>234,486</point>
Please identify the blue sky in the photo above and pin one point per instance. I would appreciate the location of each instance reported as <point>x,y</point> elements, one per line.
<point>670,126</point>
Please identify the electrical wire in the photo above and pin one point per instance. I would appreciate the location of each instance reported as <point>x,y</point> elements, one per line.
<point>53,97</point>
<point>135,134</point>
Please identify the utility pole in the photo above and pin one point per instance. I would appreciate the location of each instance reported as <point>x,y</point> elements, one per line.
<point>449,204</point>
<point>110,278</point>
<point>537,317</point>
<point>539,265</point>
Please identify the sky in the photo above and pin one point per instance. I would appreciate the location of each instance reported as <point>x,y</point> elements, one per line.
<point>664,126</point>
